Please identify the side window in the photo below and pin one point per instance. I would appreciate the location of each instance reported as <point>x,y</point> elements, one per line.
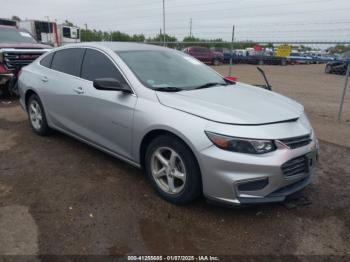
<point>66,32</point>
<point>97,65</point>
<point>46,61</point>
<point>68,61</point>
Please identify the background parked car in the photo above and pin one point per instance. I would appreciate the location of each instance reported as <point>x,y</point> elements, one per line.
<point>339,65</point>
<point>297,58</point>
<point>205,55</point>
<point>320,59</point>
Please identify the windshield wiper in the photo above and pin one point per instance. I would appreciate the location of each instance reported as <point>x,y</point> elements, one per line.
<point>207,85</point>
<point>168,89</point>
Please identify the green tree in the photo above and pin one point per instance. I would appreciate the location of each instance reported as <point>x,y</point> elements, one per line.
<point>338,49</point>
<point>68,23</point>
<point>16,18</point>
<point>171,41</point>
<point>91,35</point>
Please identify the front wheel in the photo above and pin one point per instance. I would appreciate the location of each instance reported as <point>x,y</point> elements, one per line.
<point>37,118</point>
<point>173,170</point>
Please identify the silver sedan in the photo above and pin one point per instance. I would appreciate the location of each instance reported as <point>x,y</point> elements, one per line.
<point>192,131</point>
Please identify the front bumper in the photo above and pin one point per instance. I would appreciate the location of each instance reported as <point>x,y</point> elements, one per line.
<point>224,172</point>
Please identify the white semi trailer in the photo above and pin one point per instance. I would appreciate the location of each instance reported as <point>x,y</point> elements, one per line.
<point>50,33</point>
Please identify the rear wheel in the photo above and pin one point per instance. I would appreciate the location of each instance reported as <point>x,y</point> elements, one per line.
<point>173,170</point>
<point>216,62</point>
<point>36,114</point>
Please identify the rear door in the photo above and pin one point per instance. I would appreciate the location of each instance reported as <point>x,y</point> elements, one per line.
<point>60,88</point>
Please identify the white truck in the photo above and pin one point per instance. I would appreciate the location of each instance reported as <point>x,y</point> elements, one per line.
<point>50,33</point>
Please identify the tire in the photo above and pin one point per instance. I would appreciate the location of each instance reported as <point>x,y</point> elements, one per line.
<point>14,91</point>
<point>184,171</point>
<point>4,91</point>
<point>37,117</point>
<point>328,69</point>
<point>216,62</point>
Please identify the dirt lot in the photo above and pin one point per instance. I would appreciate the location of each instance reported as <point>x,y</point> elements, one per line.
<point>59,196</point>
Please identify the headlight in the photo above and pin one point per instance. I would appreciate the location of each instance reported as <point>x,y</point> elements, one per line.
<point>242,145</point>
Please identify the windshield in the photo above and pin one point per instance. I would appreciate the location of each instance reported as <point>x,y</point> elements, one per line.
<point>162,69</point>
<point>12,35</point>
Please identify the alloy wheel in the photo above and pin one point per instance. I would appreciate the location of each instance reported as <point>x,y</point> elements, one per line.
<point>35,114</point>
<point>168,170</point>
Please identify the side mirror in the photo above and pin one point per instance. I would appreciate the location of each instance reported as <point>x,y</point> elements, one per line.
<point>110,84</point>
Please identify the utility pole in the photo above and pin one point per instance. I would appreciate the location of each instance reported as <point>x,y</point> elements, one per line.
<point>160,36</point>
<point>231,53</point>
<point>164,23</point>
<point>86,28</point>
<point>191,27</point>
<point>344,91</point>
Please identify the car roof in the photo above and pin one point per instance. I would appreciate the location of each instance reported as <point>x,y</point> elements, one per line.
<point>119,46</point>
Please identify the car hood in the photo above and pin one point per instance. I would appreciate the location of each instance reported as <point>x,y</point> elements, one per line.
<point>239,104</point>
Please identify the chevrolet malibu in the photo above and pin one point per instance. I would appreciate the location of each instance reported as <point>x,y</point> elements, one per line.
<point>192,131</point>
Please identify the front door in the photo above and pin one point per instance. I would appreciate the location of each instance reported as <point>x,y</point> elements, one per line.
<point>106,117</point>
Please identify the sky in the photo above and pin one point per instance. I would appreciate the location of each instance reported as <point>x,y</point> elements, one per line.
<point>258,20</point>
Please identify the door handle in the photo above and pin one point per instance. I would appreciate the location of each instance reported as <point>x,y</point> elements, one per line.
<point>44,79</point>
<point>79,90</point>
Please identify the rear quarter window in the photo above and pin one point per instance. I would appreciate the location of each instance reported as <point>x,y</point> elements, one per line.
<point>46,61</point>
<point>68,61</point>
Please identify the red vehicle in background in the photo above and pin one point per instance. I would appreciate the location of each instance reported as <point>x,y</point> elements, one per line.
<point>205,55</point>
<point>17,49</point>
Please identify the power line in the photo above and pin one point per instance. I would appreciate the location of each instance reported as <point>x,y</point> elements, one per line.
<point>137,26</point>
<point>222,11</point>
<point>237,6</point>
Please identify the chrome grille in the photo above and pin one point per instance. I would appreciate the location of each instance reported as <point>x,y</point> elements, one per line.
<point>296,142</point>
<point>16,60</point>
<point>296,166</point>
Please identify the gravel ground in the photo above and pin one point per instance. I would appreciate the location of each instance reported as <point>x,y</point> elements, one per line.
<point>59,196</point>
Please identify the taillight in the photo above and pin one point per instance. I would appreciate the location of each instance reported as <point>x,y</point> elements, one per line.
<point>3,69</point>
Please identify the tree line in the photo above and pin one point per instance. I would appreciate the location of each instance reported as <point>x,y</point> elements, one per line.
<point>88,35</point>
